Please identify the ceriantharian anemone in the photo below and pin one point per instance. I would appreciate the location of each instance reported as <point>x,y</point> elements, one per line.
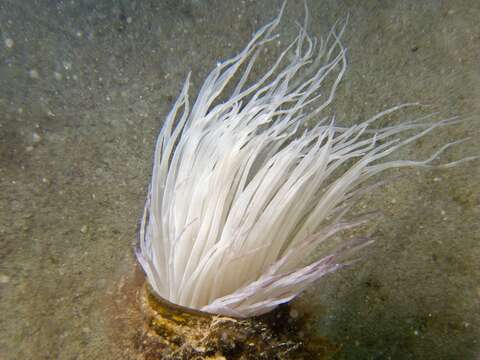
<point>244,190</point>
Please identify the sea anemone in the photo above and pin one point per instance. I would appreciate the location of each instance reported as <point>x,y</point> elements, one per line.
<point>244,190</point>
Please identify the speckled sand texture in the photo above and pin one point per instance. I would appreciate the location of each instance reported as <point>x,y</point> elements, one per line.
<point>84,86</point>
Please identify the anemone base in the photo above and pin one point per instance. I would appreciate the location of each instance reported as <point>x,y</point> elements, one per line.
<point>174,332</point>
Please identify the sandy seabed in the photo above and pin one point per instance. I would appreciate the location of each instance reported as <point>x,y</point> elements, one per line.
<point>84,87</point>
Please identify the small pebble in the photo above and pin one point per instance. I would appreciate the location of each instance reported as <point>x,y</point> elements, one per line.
<point>36,138</point>
<point>33,74</point>
<point>84,229</point>
<point>9,43</point>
